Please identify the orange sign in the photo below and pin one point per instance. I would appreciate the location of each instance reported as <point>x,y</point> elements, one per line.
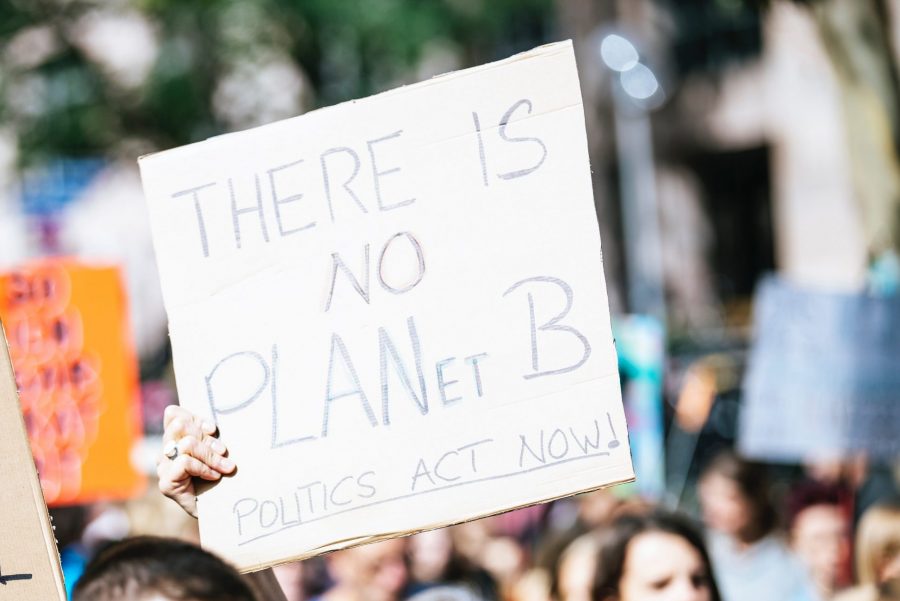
<point>77,377</point>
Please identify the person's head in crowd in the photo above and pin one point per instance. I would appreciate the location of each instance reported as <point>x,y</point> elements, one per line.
<point>374,572</point>
<point>889,590</point>
<point>652,557</point>
<point>735,500</point>
<point>819,528</point>
<point>435,561</point>
<point>448,593</point>
<point>596,508</point>
<point>158,569</point>
<point>878,544</point>
<point>290,579</point>
<point>430,555</point>
<point>576,568</point>
<point>505,559</point>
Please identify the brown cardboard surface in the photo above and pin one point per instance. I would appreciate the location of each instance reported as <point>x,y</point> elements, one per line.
<point>29,560</point>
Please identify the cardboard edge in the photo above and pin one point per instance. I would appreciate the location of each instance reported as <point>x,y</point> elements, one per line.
<point>251,568</point>
<point>53,556</point>
<point>547,49</point>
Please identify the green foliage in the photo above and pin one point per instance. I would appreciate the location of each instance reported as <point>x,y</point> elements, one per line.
<point>711,35</point>
<point>65,104</point>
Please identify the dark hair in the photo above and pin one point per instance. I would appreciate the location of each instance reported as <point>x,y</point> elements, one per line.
<point>550,555</point>
<point>753,484</point>
<point>811,493</point>
<point>172,568</point>
<point>614,541</point>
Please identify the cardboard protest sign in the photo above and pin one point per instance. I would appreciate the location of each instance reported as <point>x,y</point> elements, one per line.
<point>822,379</point>
<point>77,376</point>
<point>394,309</point>
<point>29,561</point>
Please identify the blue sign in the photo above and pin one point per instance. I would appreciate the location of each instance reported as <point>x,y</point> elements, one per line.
<point>823,377</point>
<point>46,190</point>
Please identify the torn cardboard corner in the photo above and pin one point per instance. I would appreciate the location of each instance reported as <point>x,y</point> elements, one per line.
<point>394,310</point>
<point>29,560</point>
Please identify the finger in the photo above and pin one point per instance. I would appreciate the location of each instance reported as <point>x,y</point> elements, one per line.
<point>215,444</point>
<point>195,467</point>
<point>171,479</point>
<point>177,473</point>
<point>177,430</point>
<point>202,451</point>
<point>176,412</point>
<point>181,426</point>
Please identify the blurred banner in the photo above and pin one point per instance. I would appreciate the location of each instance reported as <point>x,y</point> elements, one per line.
<point>640,341</point>
<point>77,376</point>
<point>823,376</point>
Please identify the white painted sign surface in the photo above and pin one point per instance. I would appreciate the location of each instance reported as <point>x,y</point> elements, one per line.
<point>394,309</point>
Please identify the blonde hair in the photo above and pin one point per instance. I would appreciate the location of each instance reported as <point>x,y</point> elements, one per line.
<point>877,540</point>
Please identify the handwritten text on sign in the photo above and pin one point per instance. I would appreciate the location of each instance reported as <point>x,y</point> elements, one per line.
<point>394,309</point>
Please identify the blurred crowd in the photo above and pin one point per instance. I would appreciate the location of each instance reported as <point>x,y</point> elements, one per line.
<point>769,144</point>
<point>827,533</point>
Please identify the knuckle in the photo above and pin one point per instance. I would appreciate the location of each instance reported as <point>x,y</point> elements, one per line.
<point>188,428</point>
<point>215,444</point>
<point>206,453</point>
<point>203,469</point>
<point>196,427</point>
<point>175,426</point>
<point>166,487</point>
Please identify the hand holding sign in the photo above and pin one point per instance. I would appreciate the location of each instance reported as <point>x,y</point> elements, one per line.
<point>196,453</point>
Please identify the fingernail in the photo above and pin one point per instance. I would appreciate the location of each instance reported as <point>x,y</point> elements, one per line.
<point>208,426</point>
<point>226,463</point>
<point>218,447</point>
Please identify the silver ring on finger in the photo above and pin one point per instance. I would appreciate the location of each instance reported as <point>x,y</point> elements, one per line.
<point>171,450</point>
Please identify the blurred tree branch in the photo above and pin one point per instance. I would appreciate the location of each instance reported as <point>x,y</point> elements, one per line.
<point>63,103</point>
<point>856,35</point>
